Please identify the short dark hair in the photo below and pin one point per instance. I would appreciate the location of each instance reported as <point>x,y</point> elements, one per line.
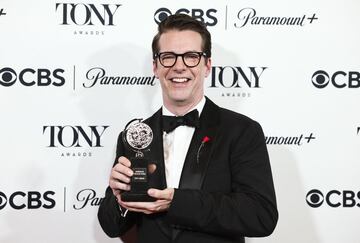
<point>183,22</point>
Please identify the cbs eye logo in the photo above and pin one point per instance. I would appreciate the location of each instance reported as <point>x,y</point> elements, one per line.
<point>3,200</point>
<point>320,79</point>
<point>339,79</point>
<point>7,77</point>
<point>161,14</point>
<point>28,200</point>
<point>32,77</point>
<point>206,16</point>
<point>314,198</point>
<point>333,198</point>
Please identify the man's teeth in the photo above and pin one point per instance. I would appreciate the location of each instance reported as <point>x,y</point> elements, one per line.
<point>179,80</point>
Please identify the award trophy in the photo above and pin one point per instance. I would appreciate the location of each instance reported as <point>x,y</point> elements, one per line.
<point>137,137</point>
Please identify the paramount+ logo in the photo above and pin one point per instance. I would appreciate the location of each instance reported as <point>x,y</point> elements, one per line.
<point>87,197</point>
<point>32,77</point>
<point>333,198</point>
<point>339,79</point>
<point>28,200</point>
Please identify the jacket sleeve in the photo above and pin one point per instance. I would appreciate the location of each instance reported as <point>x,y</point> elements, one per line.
<point>109,215</point>
<point>248,209</point>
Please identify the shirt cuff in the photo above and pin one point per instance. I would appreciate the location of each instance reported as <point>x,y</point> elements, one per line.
<point>123,211</point>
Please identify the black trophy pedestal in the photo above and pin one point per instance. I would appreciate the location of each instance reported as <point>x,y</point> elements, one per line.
<point>139,183</point>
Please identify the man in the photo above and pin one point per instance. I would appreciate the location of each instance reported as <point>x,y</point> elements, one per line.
<point>217,184</point>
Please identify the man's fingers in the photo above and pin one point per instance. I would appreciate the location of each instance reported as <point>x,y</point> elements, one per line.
<point>122,168</point>
<point>146,207</point>
<point>120,176</point>
<point>117,185</point>
<point>166,194</point>
<point>125,161</point>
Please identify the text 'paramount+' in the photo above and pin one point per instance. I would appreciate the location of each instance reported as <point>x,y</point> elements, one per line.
<point>249,16</point>
<point>87,197</point>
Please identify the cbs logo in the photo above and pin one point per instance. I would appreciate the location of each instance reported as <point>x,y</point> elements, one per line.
<point>30,200</point>
<point>334,198</point>
<point>207,17</point>
<point>31,77</point>
<point>339,79</point>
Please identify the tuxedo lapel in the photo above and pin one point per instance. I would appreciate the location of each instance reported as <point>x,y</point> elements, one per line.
<point>199,153</point>
<point>200,148</point>
<point>197,157</point>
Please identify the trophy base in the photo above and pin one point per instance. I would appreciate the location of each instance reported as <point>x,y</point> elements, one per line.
<point>136,197</point>
<point>139,182</point>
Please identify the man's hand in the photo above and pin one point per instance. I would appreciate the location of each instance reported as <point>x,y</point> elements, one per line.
<point>164,198</point>
<point>120,177</point>
<point>119,181</point>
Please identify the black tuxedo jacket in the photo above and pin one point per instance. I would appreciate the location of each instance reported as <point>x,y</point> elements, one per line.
<point>226,189</point>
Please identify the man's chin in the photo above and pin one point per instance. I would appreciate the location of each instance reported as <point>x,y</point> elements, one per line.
<point>180,100</point>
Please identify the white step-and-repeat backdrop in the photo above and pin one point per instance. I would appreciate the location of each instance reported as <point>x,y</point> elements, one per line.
<point>72,73</point>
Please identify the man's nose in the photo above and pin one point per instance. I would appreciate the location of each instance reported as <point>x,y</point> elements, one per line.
<point>179,63</point>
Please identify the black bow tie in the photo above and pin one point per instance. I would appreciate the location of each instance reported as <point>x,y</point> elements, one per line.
<point>191,119</point>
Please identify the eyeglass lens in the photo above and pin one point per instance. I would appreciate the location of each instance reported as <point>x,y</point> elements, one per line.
<point>191,59</point>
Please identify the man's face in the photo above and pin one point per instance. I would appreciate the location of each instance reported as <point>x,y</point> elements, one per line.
<point>181,85</point>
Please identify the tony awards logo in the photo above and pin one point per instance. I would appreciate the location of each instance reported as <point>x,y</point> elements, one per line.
<point>137,137</point>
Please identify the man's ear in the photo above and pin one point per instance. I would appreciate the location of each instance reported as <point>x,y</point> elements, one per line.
<point>208,67</point>
<point>155,69</point>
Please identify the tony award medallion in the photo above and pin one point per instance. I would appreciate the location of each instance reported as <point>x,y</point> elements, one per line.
<point>138,136</point>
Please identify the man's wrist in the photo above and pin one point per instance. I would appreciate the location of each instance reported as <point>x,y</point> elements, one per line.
<point>123,211</point>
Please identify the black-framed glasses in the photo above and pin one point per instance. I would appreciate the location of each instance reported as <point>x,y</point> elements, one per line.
<point>190,58</point>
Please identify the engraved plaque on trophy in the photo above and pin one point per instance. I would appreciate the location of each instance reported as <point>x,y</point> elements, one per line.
<point>137,137</point>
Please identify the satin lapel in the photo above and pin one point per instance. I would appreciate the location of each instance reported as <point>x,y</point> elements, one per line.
<point>157,155</point>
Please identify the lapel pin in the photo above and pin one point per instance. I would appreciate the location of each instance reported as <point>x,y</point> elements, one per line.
<point>204,140</point>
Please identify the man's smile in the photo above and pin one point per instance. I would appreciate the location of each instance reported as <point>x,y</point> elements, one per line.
<point>179,80</point>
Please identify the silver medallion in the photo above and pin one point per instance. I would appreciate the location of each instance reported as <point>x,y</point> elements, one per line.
<point>138,135</point>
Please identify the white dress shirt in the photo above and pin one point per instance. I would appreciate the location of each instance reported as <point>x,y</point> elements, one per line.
<point>176,144</point>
